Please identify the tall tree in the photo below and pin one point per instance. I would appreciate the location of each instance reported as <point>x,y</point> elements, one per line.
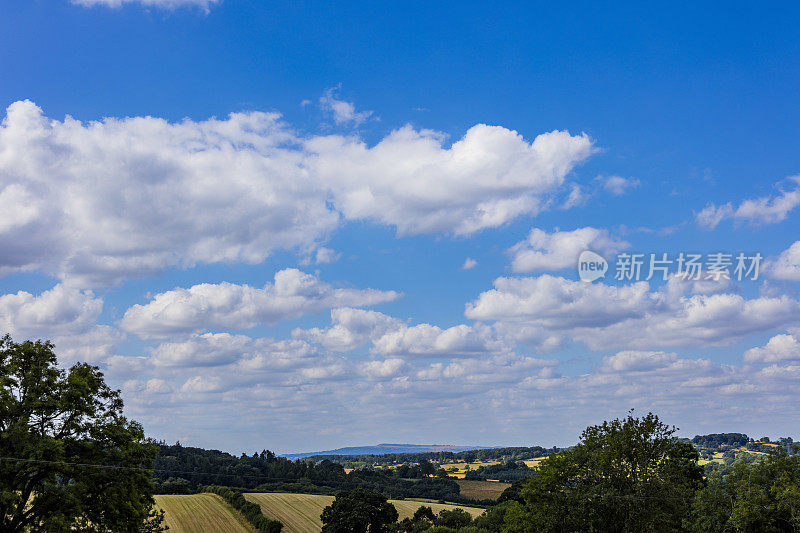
<point>761,495</point>
<point>358,511</point>
<point>69,460</point>
<point>627,475</point>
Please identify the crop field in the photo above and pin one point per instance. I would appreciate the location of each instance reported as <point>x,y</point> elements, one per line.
<point>481,490</point>
<point>300,512</point>
<point>200,513</point>
<point>459,470</point>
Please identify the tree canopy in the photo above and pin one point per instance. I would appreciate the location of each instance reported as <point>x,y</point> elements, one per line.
<point>358,511</point>
<point>69,460</point>
<point>626,475</point>
<point>761,495</point>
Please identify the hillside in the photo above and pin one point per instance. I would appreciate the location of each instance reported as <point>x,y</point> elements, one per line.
<point>384,449</point>
<point>201,513</point>
<point>300,513</point>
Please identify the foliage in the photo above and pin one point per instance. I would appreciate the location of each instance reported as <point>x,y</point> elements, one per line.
<point>358,511</point>
<point>715,440</point>
<point>453,518</point>
<point>759,496</point>
<point>265,472</point>
<point>510,471</point>
<point>71,461</point>
<point>251,511</point>
<point>626,475</point>
<point>513,453</point>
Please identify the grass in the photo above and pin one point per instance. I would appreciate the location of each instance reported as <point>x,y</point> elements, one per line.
<point>481,490</point>
<point>201,513</point>
<point>299,513</point>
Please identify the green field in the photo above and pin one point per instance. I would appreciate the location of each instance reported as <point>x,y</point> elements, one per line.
<point>481,490</point>
<point>201,513</point>
<point>299,513</point>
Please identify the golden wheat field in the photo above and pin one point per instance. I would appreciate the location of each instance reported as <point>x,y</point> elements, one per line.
<point>300,513</point>
<point>201,513</point>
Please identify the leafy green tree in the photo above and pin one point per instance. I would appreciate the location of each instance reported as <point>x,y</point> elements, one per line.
<point>761,496</point>
<point>493,519</point>
<point>421,520</point>
<point>629,475</point>
<point>69,460</point>
<point>453,518</point>
<point>358,511</point>
<point>426,468</point>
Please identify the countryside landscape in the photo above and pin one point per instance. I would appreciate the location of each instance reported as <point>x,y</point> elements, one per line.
<point>297,266</point>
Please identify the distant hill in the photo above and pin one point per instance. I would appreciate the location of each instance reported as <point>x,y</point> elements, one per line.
<point>382,449</point>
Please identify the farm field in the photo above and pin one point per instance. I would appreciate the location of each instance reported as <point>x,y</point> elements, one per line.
<point>299,513</point>
<point>200,513</point>
<point>481,490</point>
<point>459,470</point>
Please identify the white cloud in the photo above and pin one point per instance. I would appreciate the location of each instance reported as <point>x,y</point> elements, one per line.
<point>576,197</point>
<point>787,265</point>
<point>711,215</point>
<point>627,316</point>
<point>554,251</point>
<point>205,5</point>
<point>618,185</point>
<point>778,349</point>
<point>343,112</point>
<point>386,368</point>
<point>350,328</point>
<point>217,349</point>
<point>58,311</point>
<point>469,264</point>
<point>488,178</point>
<point>64,315</point>
<point>149,387</point>
<point>104,201</point>
<point>554,302</point>
<point>227,305</point>
<point>764,210</point>
<point>201,385</point>
<point>390,337</point>
<point>326,255</point>
<point>425,340</point>
<point>628,361</point>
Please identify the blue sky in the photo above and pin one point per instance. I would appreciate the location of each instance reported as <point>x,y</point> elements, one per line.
<point>255,217</point>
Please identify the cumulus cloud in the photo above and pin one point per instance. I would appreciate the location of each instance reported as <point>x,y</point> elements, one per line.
<point>558,303</point>
<point>58,311</point>
<point>205,5</point>
<point>560,249</point>
<point>287,385</point>
<point>484,180</point>
<point>617,185</point>
<point>390,337</point>
<point>386,368</point>
<point>343,112</point>
<point>778,349</point>
<point>626,316</point>
<point>763,210</point>
<point>350,328</point>
<point>628,361</point>
<point>787,264</point>
<point>64,315</point>
<point>216,349</point>
<point>469,264</point>
<point>227,305</point>
<point>425,340</point>
<point>99,202</point>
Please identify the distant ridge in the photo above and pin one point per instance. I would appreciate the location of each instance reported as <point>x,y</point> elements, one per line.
<point>383,449</point>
